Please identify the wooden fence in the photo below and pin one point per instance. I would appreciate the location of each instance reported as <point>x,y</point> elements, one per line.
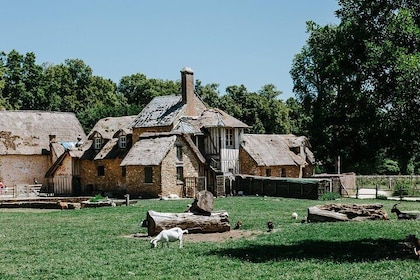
<point>396,185</point>
<point>306,188</point>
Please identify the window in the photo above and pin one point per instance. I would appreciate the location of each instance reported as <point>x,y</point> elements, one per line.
<point>122,142</point>
<point>180,173</point>
<point>179,153</point>
<point>268,172</point>
<point>229,137</point>
<point>97,142</point>
<point>148,174</point>
<point>123,171</point>
<point>101,170</point>
<point>283,172</point>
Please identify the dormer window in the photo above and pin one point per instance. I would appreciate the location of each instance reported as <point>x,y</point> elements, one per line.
<point>122,142</point>
<point>97,141</point>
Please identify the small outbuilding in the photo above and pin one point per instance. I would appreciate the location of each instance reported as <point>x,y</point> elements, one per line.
<point>276,155</point>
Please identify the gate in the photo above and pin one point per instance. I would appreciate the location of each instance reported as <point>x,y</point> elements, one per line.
<point>194,185</point>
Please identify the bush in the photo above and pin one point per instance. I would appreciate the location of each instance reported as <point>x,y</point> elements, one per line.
<point>96,198</point>
<point>329,196</point>
<point>400,189</point>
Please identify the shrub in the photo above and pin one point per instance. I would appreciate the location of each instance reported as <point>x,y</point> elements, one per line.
<point>329,196</point>
<point>96,198</point>
<point>400,189</point>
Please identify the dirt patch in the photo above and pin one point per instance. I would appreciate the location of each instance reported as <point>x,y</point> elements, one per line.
<point>210,237</point>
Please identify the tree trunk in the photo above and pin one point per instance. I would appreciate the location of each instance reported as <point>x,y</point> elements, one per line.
<point>215,222</point>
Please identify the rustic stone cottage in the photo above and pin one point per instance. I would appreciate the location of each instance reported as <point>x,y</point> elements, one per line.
<point>25,137</point>
<point>163,164</point>
<point>107,145</point>
<point>276,156</point>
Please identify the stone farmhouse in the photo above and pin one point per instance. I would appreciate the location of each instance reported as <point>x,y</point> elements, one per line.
<point>176,145</point>
<point>26,139</point>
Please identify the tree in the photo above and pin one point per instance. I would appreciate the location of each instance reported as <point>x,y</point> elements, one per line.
<point>139,90</point>
<point>208,93</point>
<point>358,83</point>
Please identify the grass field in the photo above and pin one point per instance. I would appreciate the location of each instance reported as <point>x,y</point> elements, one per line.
<point>92,244</point>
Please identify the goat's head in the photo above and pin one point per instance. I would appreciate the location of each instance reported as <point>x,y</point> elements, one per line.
<point>153,243</point>
<point>394,209</point>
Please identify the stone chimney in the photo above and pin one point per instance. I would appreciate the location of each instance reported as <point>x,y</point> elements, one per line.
<point>187,83</point>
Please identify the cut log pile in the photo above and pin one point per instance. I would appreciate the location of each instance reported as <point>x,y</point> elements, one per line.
<point>200,218</point>
<point>346,212</point>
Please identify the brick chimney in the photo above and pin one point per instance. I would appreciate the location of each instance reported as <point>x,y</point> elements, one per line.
<point>187,83</point>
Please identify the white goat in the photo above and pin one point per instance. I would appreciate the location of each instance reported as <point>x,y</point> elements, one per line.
<point>168,235</point>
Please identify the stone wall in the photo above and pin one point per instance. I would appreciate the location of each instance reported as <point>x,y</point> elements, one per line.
<point>111,181</point>
<point>23,169</point>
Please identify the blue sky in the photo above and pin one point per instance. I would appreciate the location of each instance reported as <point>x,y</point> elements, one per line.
<point>226,42</point>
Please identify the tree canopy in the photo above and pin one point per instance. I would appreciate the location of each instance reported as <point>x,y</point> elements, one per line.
<point>358,83</point>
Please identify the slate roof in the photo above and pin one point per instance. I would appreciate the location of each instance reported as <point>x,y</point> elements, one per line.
<point>161,111</point>
<point>27,132</point>
<point>271,150</point>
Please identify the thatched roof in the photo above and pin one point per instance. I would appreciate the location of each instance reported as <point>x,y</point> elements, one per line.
<point>161,111</point>
<point>107,127</point>
<point>271,150</point>
<point>28,132</point>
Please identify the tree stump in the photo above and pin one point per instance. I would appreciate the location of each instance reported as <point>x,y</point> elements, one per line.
<point>203,203</point>
<point>215,222</point>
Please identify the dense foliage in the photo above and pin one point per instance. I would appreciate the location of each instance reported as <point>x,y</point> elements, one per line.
<point>356,83</point>
<point>71,86</point>
<point>359,82</point>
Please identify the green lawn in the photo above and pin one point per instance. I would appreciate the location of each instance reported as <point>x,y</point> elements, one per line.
<point>92,244</point>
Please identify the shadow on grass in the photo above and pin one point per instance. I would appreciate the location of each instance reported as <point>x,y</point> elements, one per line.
<point>346,251</point>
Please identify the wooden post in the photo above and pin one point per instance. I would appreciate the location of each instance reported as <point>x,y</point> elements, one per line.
<point>127,200</point>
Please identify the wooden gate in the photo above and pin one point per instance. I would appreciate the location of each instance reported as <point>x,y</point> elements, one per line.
<point>194,185</point>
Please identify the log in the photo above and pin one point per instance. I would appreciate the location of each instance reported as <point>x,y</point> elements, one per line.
<point>215,222</point>
<point>318,215</point>
<point>343,212</point>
